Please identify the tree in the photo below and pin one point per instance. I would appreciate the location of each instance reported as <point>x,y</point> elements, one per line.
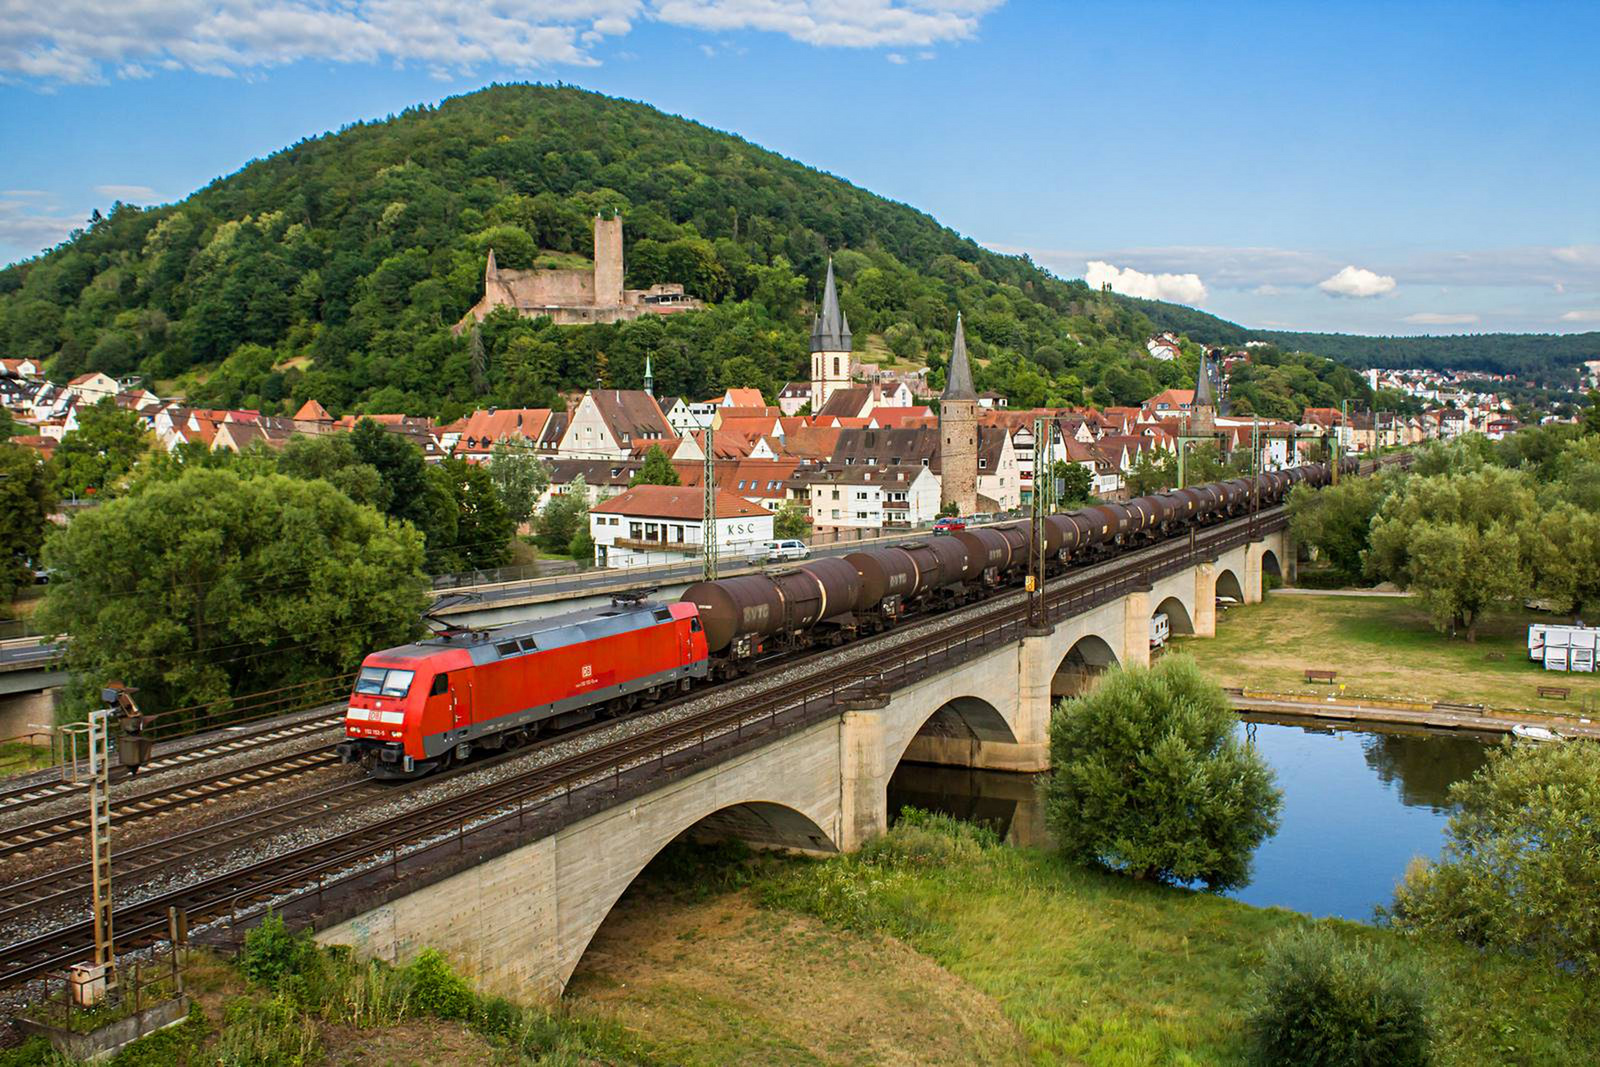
<point>1521,859</point>
<point>1566,555</point>
<point>400,465</point>
<point>1337,519</point>
<point>657,469</point>
<point>213,586</point>
<point>519,476</point>
<point>26,500</point>
<point>563,514</point>
<point>8,425</point>
<point>950,509</point>
<point>482,527</point>
<point>1460,541</point>
<point>93,458</point>
<point>479,360</point>
<point>1591,414</point>
<point>332,457</point>
<point>1074,484</point>
<point>1152,780</point>
<point>1154,469</point>
<point>791,522</point>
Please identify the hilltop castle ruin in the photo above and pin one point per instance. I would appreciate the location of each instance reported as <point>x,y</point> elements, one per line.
<point>576,297</point>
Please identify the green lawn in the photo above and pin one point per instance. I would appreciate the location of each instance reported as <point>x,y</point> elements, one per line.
<point>1383,647</point>
<point>918,953</point>
<point>17,758</point>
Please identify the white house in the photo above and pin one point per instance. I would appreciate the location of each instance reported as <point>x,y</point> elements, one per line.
<point>655,524</point>
<point>873,497</point>
<point>93,386</point>
<point>612,423</point>
<point>687,417</point>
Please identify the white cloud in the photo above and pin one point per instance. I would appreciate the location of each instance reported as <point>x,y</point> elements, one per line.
<point>128,193</point>
<point>1439,318</point>
<point>1357,282</point>
<point>86,41</point>
<point>1183,288</point>
<point>896,58</point>
<point>1586,315</point>
<point>26,223</point>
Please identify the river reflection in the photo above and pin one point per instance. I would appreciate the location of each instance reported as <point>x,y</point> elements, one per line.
<point>1357,807</point>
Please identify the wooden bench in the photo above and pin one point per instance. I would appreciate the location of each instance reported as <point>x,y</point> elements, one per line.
<point>1321,676</point>
<point>1554,692</point>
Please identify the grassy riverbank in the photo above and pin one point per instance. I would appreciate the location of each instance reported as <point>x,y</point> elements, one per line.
<point>1382,647</point>
<point>939,948</point>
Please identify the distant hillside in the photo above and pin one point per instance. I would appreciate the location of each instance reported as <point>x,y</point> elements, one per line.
<point>333,269</point>
<point>1540,358</point>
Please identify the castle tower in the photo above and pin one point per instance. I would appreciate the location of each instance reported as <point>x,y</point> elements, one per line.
<point>958,431</point>
<point>830,346</point>
<point>608,261</point>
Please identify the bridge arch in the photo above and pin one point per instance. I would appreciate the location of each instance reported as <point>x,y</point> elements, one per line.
<point>763,823</point>
<point>958,721</point>
<point>1270,564</point>
<point>1177,613</point>
<point>1089,657</point>
<point>1228,585</point>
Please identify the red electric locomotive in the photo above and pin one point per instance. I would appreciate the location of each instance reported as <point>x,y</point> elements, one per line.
<point>418,707</point>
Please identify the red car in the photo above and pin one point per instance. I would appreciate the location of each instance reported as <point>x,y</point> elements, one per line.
<point>949,524</point>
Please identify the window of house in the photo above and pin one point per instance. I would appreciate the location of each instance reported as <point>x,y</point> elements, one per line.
<point>982,464</point>
<point>835,366</point>
<point>836,494</point>
<point>836,513</point>
<point>634,530</point>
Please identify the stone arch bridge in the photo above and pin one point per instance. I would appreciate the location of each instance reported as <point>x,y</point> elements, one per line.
<point>519,920</point>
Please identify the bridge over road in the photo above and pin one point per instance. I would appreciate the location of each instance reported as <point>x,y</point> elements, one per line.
<point>516,901</point>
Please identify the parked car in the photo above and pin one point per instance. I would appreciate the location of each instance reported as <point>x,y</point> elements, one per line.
<point>949,524</point>
<point>779,551</point>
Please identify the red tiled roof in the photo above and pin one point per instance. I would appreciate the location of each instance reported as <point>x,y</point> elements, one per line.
<point>674,502</point>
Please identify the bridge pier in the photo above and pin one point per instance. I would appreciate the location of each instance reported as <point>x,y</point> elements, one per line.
<point>1136,630</point>
<point>863,780</point>
<point>1205,600</point>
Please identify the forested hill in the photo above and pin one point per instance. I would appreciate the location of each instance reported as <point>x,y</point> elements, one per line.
<point>334,269</point>
<point>1543,359</point>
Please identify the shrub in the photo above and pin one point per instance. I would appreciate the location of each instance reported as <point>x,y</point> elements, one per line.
<point>271,952</point>
<point>437,990</point>
<point>1521,860</point>
<point>34,1052</point>
<point>1321,1003</point>
<point>1152,780</point>
<point>178,1045</point>
<point>496,1016</point>
<point>366,994</point>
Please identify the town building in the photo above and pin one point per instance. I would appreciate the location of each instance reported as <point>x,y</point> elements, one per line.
<point>872,497</point>
<point>654,524</point>
<point>615,424</point>
<point>576,297</point>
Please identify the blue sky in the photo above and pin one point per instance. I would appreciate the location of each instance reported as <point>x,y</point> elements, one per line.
<point>1366,167</point>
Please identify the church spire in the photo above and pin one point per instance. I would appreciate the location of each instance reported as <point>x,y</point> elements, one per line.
<point>831,330</point>
<point>1204,392</point>
<point>649,377</point>
<point>958,378</point>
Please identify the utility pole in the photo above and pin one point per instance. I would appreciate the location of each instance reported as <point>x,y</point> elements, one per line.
<point>708,535</point>
<point>1044,492</point>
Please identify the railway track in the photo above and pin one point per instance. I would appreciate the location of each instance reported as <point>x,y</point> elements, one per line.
<point>638,761</point>
<point>162,800</point>
<point>224,742</point>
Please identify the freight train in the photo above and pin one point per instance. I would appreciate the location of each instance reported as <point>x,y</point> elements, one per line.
<point>419,707</point>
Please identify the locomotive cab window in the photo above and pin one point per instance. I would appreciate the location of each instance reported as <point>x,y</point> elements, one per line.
<point>506,648</point>
<point>528,644</point>
<point>383,682</point>
<point>663,615</point>
<point>441,685</point>
<point>694,625</point>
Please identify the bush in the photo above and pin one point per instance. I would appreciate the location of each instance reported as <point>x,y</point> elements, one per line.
<point>271,952</point>
<point>1319,1002</point>
<point>34,1052</point>
<point>437,990</point>
<point>1521,859</point>
<point>1152,780</point>
<point>178,1045</point>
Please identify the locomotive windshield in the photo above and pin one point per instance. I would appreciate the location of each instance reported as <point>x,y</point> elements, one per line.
<point>384,682</point>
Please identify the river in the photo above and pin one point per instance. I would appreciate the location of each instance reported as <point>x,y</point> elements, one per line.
<point>1357,806</point>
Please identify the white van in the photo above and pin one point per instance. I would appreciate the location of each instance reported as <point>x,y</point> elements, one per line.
<point>1160,629</point>
<point>779,551</point>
